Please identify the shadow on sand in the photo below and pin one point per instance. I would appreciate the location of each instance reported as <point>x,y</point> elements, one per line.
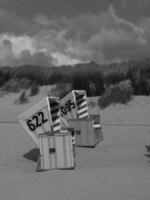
<point>148,151</point>
<point>32,155</point>
<point>147,148</point>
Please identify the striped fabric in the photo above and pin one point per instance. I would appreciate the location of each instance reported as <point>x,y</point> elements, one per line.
<point>81,103</point>
<point>55,114</point>
<point>56,152</point>
<point>58,123</point>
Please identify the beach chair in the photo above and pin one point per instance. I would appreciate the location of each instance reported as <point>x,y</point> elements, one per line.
<point>37,120</point>
<point>51,134</point>
<point>88,130</point>
<point>56,152</point>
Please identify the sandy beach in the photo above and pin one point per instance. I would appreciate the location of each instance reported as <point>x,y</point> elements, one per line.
<point>117,168</point>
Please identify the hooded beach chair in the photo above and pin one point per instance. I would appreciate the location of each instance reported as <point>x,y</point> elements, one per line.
<point>74,109</point>
<point>50,133</point>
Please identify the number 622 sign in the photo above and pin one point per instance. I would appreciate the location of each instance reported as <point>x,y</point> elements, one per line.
<point>37,120</point>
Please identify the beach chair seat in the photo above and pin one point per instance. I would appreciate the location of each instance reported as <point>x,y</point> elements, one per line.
<point>56,152</point>
<point>87,134</point>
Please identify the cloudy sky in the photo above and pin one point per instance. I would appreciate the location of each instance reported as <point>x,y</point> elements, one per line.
<point>58,32</point>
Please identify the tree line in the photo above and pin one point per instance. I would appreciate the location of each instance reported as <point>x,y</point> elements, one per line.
<point>92,77</point>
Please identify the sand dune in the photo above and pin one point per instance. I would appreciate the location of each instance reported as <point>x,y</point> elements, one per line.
<point>117,169</point>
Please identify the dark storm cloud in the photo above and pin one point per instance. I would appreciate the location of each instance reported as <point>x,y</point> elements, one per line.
<point>99,33</point>
<point>9,57</point>
<point>129,9</point>
<point>51,8</point>
<point>12,23</point>
<point>38,58</point>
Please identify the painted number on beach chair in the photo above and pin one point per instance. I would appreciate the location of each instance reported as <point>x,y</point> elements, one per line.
<point>36,121</point>
<point>67,107</point>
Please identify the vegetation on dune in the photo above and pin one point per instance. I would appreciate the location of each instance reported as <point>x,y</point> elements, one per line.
<point>60,90</point>
<point>92,82</point>
<point>119,93</point>
<point>22,99</point>
<point>91,104</point>
<point>34,90</point>
<point>97,80</point>
<point>14,85</point>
